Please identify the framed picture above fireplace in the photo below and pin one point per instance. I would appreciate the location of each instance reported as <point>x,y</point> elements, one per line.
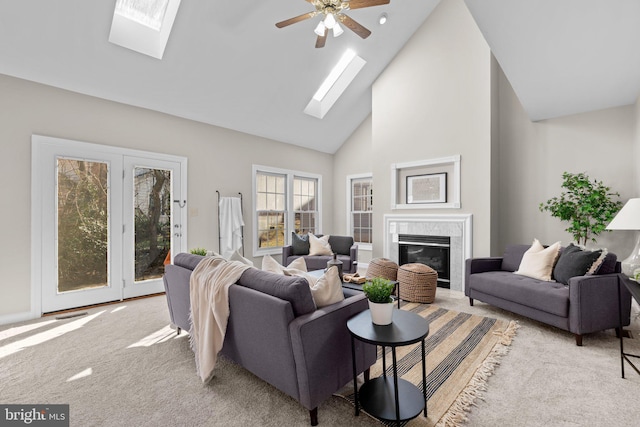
<point>426,184</point>
<point>427,188</point>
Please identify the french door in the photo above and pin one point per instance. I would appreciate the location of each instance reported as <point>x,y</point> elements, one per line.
<point>109,218</point>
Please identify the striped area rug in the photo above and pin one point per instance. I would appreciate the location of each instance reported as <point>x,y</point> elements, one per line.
<point>462,350</point>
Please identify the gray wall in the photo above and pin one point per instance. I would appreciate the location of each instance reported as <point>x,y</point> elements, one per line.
<point>214,155</point>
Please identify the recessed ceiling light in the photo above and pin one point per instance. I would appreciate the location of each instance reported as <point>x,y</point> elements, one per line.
<point>382,19</point>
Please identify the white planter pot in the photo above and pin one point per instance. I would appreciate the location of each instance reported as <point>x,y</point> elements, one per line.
<point>381,314</point>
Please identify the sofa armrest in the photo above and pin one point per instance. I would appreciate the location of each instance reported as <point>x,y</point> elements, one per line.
<point>322,350</point>
<point>353,253</point>
<point>480,265</point>
<point>593,303</point>
<point>287,251</point>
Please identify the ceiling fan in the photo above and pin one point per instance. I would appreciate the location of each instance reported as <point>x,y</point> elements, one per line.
<point>333,14</point>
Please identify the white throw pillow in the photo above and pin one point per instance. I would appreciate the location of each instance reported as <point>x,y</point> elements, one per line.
<point>297,264</point>
<point>538,261</point>
<point>236,256</point>
<point>270,264</point>
<point>326,289</point>
<point>319,245</point>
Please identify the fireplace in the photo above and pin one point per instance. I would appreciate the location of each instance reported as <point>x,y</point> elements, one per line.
<point>457,227</point>
<point>429,250</point>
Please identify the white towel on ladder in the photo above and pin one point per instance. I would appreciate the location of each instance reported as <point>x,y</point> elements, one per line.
<point>231,224</point>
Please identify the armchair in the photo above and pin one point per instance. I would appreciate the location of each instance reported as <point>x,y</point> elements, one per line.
<point>343,246</point>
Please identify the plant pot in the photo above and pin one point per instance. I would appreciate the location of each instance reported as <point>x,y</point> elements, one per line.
<point>381,314</point>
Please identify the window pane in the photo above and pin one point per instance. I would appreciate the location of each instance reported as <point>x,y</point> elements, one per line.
<point>152,221</point>
<point>83,224</point>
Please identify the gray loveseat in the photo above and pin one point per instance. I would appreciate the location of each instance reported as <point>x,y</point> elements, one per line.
<point>276,332</point>
<point>587,304</point>
<point>343,246</point>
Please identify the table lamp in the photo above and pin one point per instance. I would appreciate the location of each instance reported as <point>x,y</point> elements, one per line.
<point>629,219</point>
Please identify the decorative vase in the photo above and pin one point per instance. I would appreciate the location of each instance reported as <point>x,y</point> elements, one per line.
<point>381,313</point>
<point>335,261</point>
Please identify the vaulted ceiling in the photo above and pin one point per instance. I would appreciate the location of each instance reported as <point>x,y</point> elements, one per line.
<point>227,64</point>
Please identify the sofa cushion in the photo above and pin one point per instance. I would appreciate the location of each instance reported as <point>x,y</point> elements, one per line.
<point>574,261</point>
<point>538,261</point>
<point>299,244</point>
<point>512,257</point>
<point>289,288</point>
<point>550,297</point>
<point>319,245</point>
<point>341,244</point>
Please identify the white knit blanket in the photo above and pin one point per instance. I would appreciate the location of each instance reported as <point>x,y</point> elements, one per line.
<point>209,286</point>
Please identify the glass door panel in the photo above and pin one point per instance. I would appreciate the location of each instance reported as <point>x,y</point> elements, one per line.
<point>83,224</point>
<point>152,221</point>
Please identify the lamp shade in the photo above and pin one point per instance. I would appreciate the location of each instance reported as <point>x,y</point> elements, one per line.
<point>628,218</point>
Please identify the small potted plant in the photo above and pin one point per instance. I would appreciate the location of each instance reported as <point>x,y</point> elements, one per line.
<point>378,291</point>
<point>199,251</point>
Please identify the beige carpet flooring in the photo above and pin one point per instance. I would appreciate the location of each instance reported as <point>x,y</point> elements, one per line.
<point>120,365</point>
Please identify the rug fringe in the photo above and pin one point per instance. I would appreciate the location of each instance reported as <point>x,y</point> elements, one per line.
<point>456,416</point>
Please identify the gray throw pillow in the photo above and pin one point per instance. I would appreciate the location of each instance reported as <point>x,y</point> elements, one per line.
<point>573,262</point>
<point>299,244</point>
<point>341,244</point>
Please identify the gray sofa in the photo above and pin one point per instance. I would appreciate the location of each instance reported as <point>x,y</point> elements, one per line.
<point>587,304</point>
<point>276,332</point>
<point>343,246</point>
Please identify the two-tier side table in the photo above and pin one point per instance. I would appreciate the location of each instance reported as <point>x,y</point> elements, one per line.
<point>388,397</point>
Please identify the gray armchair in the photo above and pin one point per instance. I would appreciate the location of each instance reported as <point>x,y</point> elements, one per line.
<point>343,246</point>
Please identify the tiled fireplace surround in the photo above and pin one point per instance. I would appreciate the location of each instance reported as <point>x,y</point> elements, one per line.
<point>456,226</point>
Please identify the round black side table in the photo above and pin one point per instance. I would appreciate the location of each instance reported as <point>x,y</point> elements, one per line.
<point>385,397</point>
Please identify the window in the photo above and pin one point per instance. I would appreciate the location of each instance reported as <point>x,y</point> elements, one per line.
<point>285,201</point>
<point>361,208</point>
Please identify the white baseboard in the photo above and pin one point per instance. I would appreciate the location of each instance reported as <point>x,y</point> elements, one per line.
<point>17,317</point>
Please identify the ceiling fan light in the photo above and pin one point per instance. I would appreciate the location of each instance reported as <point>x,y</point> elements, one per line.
<point>337,30</point>
<point>330,21</point>
<point>320,29</point>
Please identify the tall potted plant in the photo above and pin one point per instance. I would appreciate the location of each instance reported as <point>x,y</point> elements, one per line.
<point>378,292</point>
<point>587,206</point>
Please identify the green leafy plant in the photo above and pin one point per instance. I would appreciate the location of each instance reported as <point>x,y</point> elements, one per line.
<point>587,206</point>
<point>199,251</point>
<point>378,290</point>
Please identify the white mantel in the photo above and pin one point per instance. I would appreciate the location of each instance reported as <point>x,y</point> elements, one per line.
<point>458,227</point>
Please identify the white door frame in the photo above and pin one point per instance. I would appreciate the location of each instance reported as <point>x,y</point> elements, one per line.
<point>39,146</point>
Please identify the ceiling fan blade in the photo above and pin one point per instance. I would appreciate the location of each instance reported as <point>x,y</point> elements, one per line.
<point>359,4</point>
<point>296,19</point>
<point>354,26</point>
<point>321,40</point>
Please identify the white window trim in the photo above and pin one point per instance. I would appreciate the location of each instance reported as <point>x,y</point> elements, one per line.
<point>361,246</point>
<point>290,219</point>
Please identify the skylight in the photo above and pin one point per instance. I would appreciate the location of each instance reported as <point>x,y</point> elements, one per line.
<point>335,84</point>
<point>143,25</point>
<point>146,12</point>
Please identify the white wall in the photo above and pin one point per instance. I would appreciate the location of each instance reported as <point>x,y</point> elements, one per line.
<point>354,157</point>
<point>219,159</point>
<point>432,101</point>
<point>533,157</point>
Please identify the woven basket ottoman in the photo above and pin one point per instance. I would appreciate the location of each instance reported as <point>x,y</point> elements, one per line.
<point>382,267</point>
<point>418,283</point>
